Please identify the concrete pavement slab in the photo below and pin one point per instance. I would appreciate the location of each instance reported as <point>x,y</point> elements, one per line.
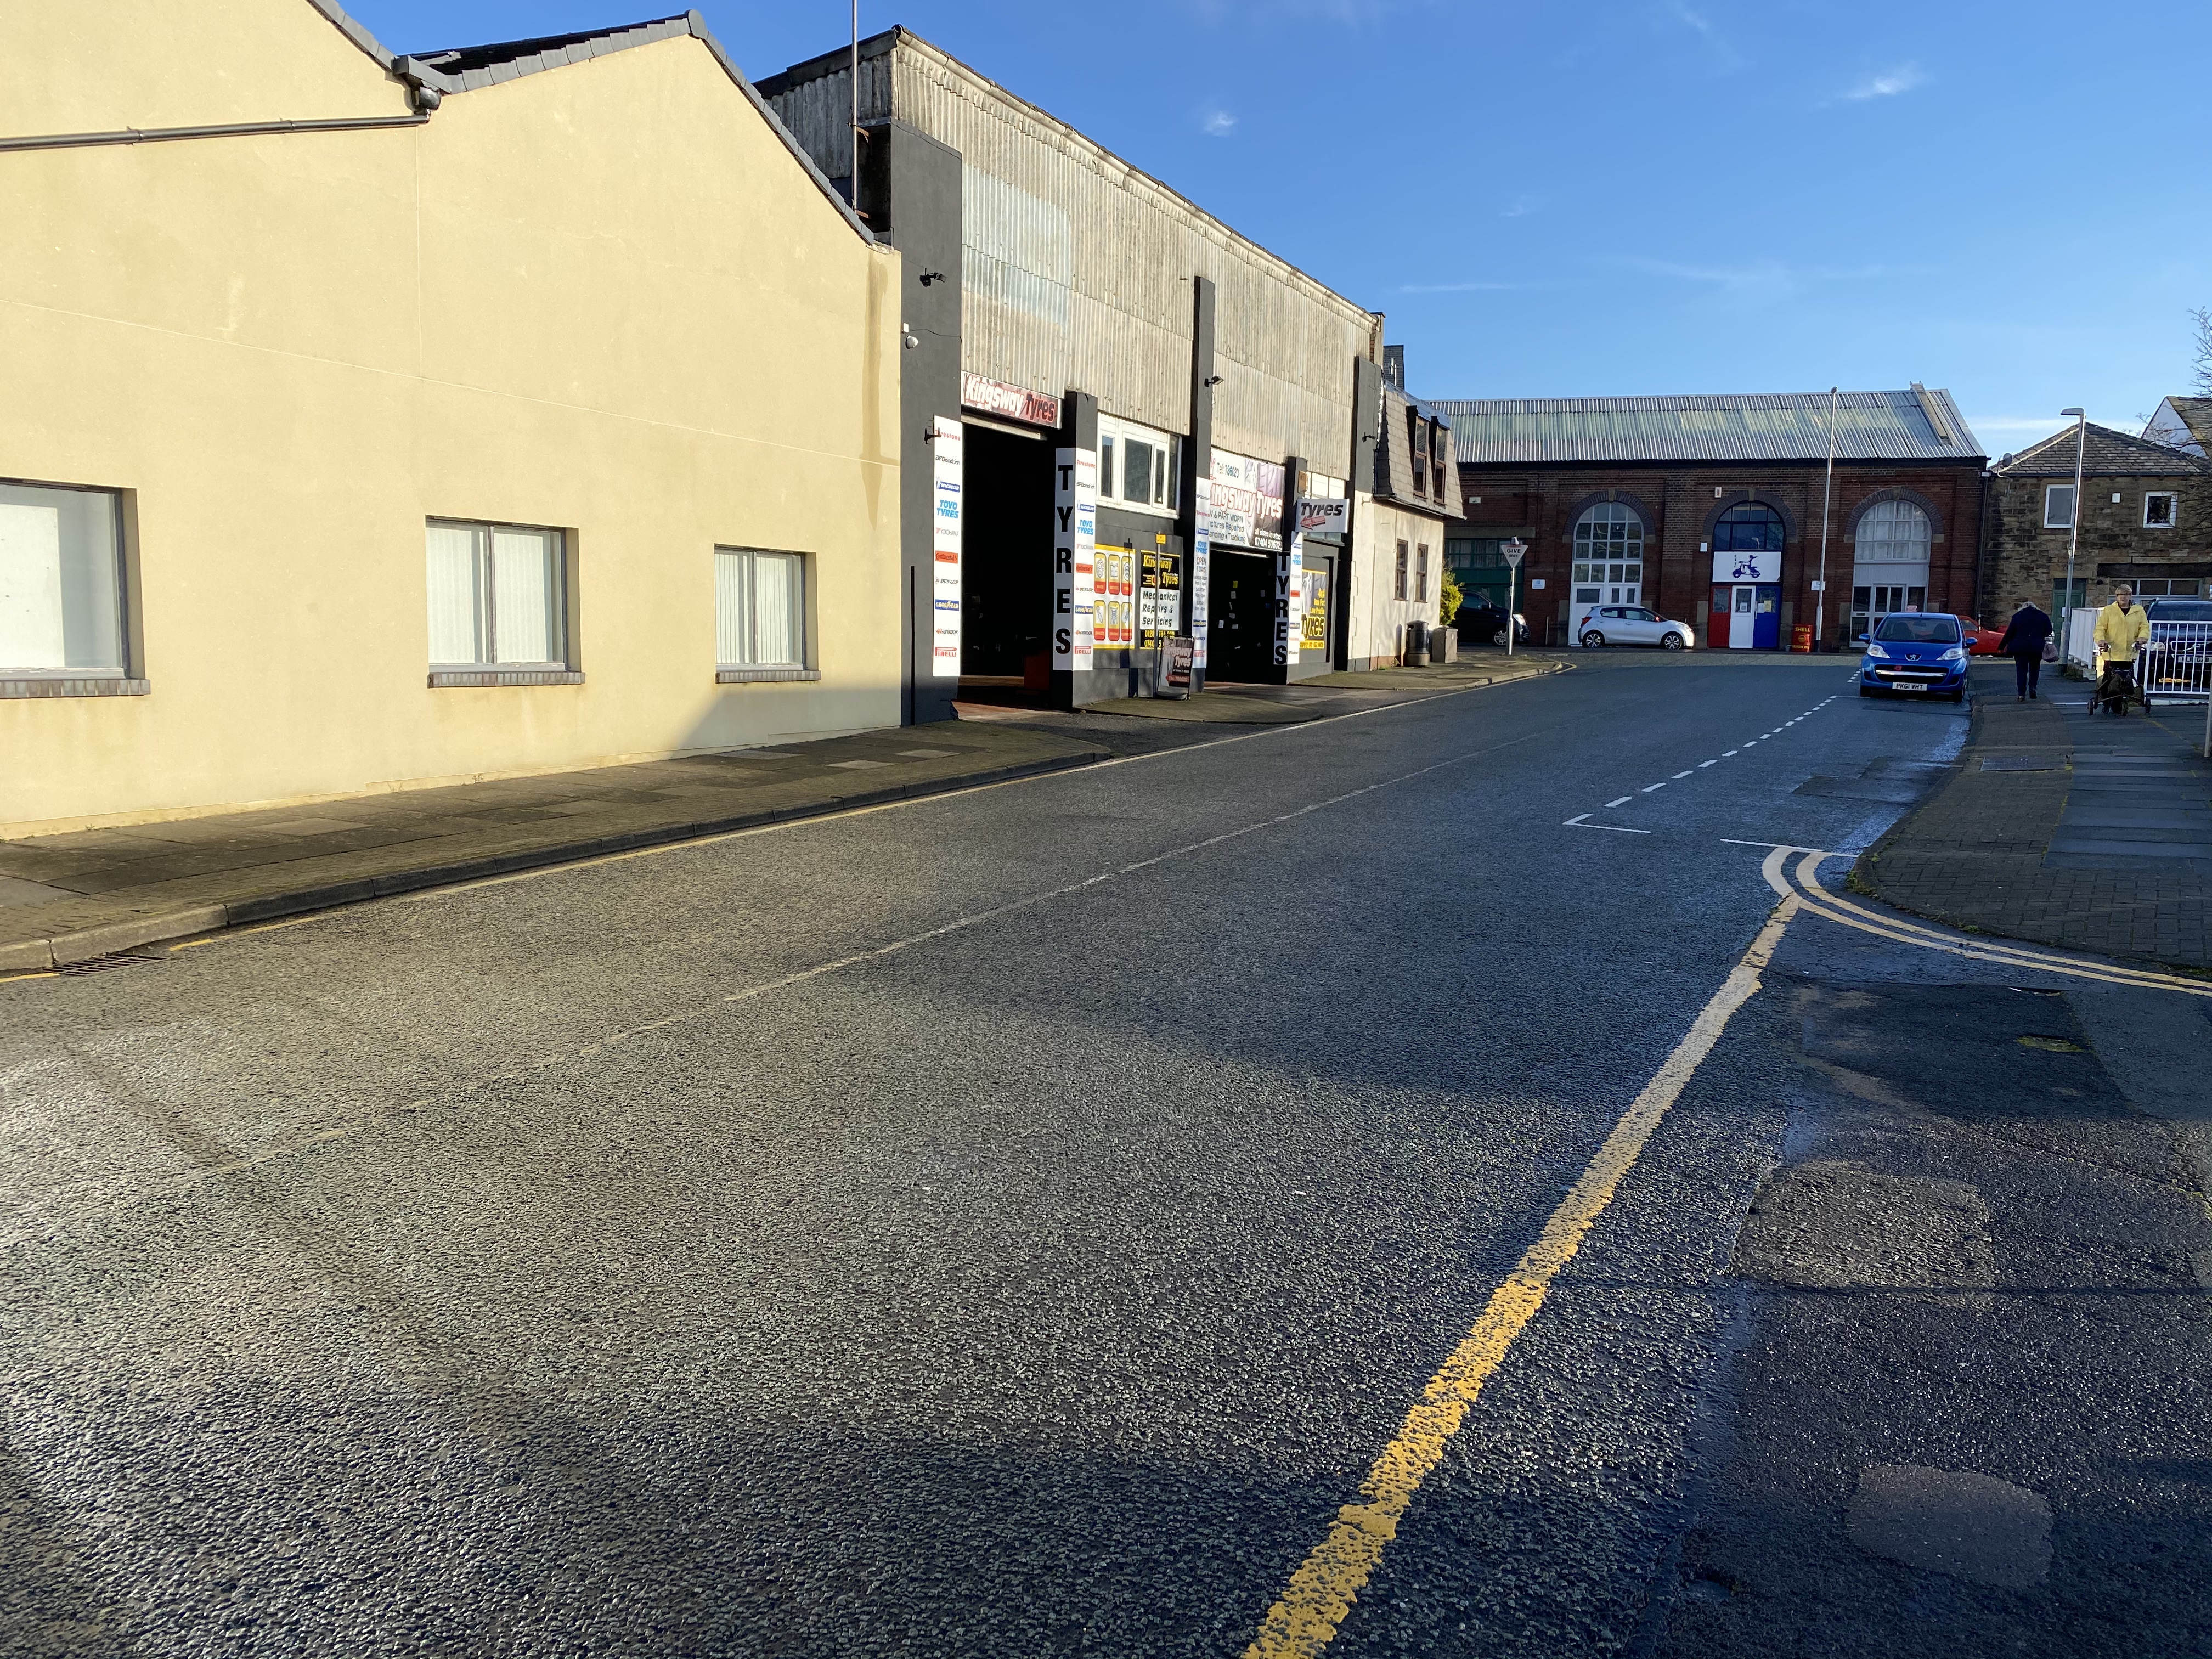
<point>67,898</point>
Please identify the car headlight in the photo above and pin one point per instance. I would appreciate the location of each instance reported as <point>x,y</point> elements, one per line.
<point>1873,650</point>
<point>1956,653</point>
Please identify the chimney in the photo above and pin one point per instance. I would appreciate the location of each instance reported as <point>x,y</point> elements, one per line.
<point>1394,366</point>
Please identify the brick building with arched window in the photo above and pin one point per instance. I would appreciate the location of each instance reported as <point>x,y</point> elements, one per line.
<point>1708,509</point>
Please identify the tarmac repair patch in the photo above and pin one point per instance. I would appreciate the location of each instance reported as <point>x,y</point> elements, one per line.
<point>1958,1411</point>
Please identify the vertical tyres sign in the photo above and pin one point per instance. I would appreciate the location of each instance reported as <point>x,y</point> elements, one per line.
<point>1075,542</point>
<point>945,544</point>
<point>1201,563</point>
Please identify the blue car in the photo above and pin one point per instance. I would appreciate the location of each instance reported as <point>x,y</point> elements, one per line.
<point>1915,654</point>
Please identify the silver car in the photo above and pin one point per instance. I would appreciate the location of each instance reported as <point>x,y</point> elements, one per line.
<point>1632,624</point>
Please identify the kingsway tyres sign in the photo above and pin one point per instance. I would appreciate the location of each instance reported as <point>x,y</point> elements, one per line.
<point>1016,403</point>
<point>1323,515</point>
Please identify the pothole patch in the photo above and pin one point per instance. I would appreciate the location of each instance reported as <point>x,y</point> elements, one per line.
<point>1833,1223</point>
<point>1971,1526</point>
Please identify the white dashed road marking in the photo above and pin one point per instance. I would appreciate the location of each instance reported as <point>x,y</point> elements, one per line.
<point>1726,753</point>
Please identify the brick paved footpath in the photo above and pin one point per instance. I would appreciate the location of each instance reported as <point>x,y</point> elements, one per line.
<point>1977,853</point>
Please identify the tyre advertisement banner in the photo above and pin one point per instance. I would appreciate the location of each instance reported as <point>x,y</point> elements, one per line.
<point>1201,566</point>
<point>1074,545</point>
<point>1246,504</point>
<point>944,640</point>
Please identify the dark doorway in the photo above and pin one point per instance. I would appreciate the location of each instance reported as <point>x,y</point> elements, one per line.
<point>1005,550</point>
<point>1241,633</point>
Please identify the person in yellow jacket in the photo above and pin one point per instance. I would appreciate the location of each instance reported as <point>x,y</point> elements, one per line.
<point>2122,628</point>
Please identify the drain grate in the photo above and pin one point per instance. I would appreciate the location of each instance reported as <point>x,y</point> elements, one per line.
<point>101,964</point>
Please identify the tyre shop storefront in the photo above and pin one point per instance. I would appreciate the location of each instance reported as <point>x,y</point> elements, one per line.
<point>1273,596</point>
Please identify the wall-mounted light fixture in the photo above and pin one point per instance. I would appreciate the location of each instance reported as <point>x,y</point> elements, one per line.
<point>1214,379</point>
<point>929,276</point>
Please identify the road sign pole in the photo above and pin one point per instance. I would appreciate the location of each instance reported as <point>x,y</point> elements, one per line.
<point>1514,551</point>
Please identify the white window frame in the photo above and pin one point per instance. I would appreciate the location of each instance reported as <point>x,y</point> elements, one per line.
<point>486,668</point>
<point>2050,494</point>
<point>1609,542</point>
<point>744,564</point>
<point>84,677</point>
<point>1115,436</point>
<point>2173,497</point>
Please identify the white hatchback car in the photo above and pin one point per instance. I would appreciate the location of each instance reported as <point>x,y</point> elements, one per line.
<point>1632,624</point>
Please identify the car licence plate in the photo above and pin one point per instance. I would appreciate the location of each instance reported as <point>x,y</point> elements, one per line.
<point>1908,685</point>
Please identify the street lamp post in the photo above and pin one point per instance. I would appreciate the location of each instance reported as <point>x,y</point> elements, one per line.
<point>2073,532</point>
<point>1827,495</point>
<point>1515,551</point>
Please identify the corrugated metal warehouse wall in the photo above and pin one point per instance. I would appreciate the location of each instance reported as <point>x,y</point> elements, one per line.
<point>1076,267</point>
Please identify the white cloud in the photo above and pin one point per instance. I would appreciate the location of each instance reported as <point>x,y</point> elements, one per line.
<point>1762,281</point>
<point>1521,208</point>
<point>1218,124</point>
<point>1888,84</point>
<point>1725,55</point>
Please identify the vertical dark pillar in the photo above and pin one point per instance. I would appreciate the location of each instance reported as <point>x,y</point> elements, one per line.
<point>1366,429</point>
<point>1078,429</point>
<point>1198,455</point>
<point>910,190</point>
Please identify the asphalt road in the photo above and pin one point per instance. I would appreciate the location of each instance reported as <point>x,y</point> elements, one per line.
<point>1012,1224</point>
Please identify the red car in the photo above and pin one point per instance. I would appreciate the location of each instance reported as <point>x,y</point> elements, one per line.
<point>1980,641</point>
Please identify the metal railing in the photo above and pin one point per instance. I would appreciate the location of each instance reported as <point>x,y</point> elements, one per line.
<point>2081,645</point>
<point>2177,664</point>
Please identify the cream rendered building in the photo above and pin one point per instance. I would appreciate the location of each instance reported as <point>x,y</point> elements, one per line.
<point>377,423</point>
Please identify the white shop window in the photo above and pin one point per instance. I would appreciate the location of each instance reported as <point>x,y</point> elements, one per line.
<point>498,597</point>
<point>2058,507</point>
<point>760,608</point>
<point>1139,468</point>
<point>61,583</point>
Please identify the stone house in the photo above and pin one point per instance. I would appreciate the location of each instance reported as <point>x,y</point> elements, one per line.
<point>2146,520</point>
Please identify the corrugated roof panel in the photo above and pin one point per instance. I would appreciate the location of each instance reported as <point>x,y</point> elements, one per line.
<point>1757,427</point>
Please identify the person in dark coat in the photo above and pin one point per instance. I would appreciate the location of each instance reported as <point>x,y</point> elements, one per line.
<point>2025,636</point>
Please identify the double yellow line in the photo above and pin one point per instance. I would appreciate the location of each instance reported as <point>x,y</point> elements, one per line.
<point>1809,893</point>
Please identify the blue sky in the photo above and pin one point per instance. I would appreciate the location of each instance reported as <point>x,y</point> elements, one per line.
<point>1635,196</point>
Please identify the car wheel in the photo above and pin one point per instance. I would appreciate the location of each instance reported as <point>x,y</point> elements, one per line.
<point>1959,696</point>
<point>1593,639</point>
<point>1499,638</point>
<point>1672,641</point>
<point>1866,690</point>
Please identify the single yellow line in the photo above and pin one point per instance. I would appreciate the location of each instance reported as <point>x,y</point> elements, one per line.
<point>36,973</point>
<point>1320,1593</point>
